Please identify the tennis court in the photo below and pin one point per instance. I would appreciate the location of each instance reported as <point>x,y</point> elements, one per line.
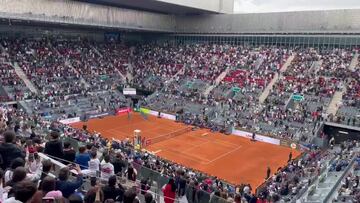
<point>232,158</point>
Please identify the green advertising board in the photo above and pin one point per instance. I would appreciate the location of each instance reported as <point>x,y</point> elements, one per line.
<point>297,97</point>
<point>236,89</point>
<point>189,84</point>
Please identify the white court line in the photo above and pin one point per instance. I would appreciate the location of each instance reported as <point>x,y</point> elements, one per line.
<point>157,151</point>
<point>112,131</point>
<point>216,141</point>
<point>225,154</point>
<point>188,156</point>
<point>195,146</point>
<point>115,133</point>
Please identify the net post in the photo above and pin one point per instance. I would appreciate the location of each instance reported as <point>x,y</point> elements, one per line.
<point>137,139</point>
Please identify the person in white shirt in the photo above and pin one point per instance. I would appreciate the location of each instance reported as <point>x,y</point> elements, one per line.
<point>94,165</point>
<point>107,169</point>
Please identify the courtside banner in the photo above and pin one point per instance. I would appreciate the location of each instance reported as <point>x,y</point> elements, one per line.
<point>168,116</point>
<point>129,91</point>
<point>258,137</point>
<point>98,115</point>
<point>70,120</point>
<point>154,113</point>
<point>123,111</point>
<point>162,115</point>
<point>145,111</point>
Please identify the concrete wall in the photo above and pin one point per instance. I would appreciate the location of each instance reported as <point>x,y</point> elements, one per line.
<point>338,21</point>
<point>219,6</point>
<point>39,31</point>
<point>79,13</point>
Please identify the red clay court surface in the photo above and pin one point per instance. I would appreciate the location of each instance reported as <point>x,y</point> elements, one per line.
<point>232,158</point>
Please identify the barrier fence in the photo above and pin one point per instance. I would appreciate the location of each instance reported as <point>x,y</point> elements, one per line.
<point>157,182</point>
<point>191,193</point>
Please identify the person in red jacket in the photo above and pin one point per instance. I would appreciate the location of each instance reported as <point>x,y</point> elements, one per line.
<point>169,191</point>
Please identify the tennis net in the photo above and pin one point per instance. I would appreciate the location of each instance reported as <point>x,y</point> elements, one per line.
<point>167,136</point>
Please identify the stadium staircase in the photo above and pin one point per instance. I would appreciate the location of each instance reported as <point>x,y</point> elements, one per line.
<point>315,67</point>
<point>100,55</point>
<point>217,81</point>
<point>96,51</point>
<point>54,48</point>
<point>82,80</point>
<point>335,101</point>
<point>266,91</point>
<point>129,76</point>
<point>23,76</point>
<point>327,183</point>
<point>258,62</point>
<point>354,62</point>
<point>2,49</point>
<point>337,98</point>
<point>181,71</point>
<point>26,107</point>
<point>289,104</point>
<point>121,75</point>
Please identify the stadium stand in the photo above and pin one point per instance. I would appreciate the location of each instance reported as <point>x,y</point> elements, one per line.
<point>281,77</point>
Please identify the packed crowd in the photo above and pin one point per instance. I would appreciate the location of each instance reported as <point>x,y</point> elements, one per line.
<point>289,182</point>
<point>182,73</point>
<point>310,75</point>
<point>107,163</point>
<point>80,105</point>
<point>28,178</point>
<point>349,109</point>
<point>11,82</point>
<point>313,76</point>
<point>349,187</point>
<point>53,66</point>
<point>154,65</point>
<point>45,67</point>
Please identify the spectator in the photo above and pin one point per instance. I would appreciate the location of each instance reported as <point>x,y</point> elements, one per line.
<point>47,167</point>
<point>92,192</point>
<point>149,198</point>
<point>54,147</point>
<point>129,196</point>
<point>180,181</point>
<point>82,158</point>
<point>24,191</point>
<point>192,193</point>
<point>107,169</point>
<point>118,163</point>
<point>169,191</point>
<point>113,190</point>
<point>34,165</point>
<point>75,198</point>
<point>131,173</point>
<point>18,162</point>
<point>94,165</point>
<point>2,185</point>
<point>69,153</point>
<point>48,185</point>
<point>9,151</point>
<point>66,186</point>
<point>144,186</point>
<point>18,176</point>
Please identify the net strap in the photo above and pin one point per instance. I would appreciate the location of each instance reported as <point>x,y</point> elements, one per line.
<point>168,136</point>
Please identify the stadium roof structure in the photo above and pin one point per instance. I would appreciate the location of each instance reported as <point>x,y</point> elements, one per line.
<point>176,7</point>
<point>209,17</point>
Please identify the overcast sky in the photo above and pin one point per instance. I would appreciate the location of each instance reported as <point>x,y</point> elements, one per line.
<point>258,6</point>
